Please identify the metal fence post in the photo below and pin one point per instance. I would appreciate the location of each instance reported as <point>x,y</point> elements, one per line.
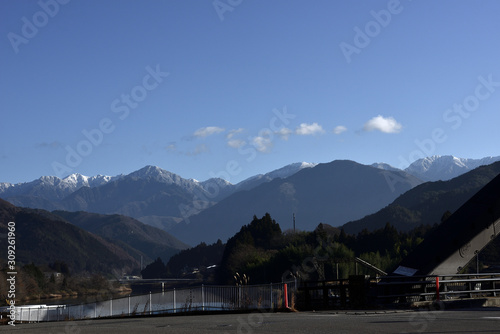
<point>175,308</point>
<point>128,304</point>
<point>111,307</point>
<point>202,298</point>
<point>239,296</point>
<point>150,303</point>
<point>271,295</point>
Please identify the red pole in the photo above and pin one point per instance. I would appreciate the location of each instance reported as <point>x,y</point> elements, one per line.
<point>286,296</point>
<point>437,288</point>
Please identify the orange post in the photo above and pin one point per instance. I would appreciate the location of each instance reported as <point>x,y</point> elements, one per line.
<point>437,288</point>
<point>286,296</point>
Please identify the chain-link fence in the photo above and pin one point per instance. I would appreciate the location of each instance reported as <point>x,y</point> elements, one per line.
<point>202,298</point>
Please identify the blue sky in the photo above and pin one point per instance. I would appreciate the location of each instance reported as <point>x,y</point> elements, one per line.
<point>234,88</point>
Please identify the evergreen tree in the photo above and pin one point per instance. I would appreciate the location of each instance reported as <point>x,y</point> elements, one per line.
<point>157,269</point>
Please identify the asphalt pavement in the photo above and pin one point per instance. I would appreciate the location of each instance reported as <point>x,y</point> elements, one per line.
<point>483,320</point>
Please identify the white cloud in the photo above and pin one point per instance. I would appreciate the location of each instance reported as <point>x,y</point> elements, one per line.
<point>305,129</point>
<point>284,133</point>
<point>234,132</point>
<point>383,124</point>
<point>262,144</point>
<point>339,129</point>
<point>236,143</point>
<point>207,131</point>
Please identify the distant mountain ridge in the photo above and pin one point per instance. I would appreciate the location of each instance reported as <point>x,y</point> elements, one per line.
<point>330,193</point>
<point>163,199</point>
<point>52,188</point>
<point>133,236</point>
<point>150,194</point>
<point>55,188</point>
<point>384,166</point>
<point>44,238</point>
<point>85,241</point>
<point>282,172</point>
<point>445,167</point>
<point>428,202</point>
<point>440,167</point>
<point>432,168</point>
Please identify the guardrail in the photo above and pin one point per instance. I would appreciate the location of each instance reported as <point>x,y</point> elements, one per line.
<point>401,289</point>
<point>360,291</point>
<point>202,298</point>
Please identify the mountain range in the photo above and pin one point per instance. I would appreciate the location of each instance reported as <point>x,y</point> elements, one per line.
<point>137,238</point>
<point>331,193</point>
<point>86,242</point>
<point>446,167</point>
<point>44,238</point>
<point>53,188</point>
<point>193,211</point>
<point>427,203</point>
<point>152,195</point>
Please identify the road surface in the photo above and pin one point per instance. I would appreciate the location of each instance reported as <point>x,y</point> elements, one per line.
<point>484,320</point>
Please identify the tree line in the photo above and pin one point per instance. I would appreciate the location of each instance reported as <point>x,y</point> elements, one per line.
<point>264,253</point>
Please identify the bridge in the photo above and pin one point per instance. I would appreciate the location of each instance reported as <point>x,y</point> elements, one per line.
<point>459,239</point>
<point>156,280</point>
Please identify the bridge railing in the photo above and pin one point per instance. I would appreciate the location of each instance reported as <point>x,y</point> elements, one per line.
<point>361,291</point>
<point>401,289</point>
<point>201,298</point>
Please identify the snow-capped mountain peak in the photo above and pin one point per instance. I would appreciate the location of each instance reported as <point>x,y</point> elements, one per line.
<point>216,180</point>
<point>282,172</point>
<point>77,179</point>
<point>149,171</point>
<point>53,187</point>
<point>384,166</point>
<point>289,170</point>
<point>155,173</point>
<point>445,167</point>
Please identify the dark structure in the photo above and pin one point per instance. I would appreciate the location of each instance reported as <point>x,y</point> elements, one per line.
<point>458,239</point>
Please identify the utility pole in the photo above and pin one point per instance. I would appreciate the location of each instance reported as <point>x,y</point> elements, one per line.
<point>294,222</point>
